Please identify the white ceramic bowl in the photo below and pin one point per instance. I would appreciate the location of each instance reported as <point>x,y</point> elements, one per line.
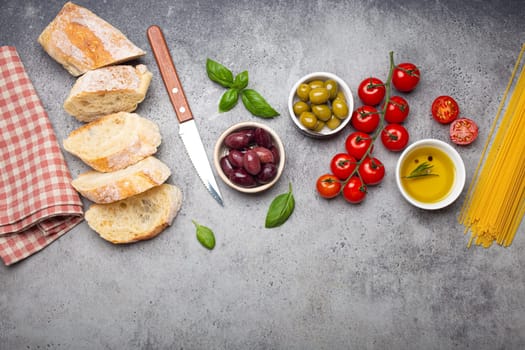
<point>459,179</point>
<point>221,150</point>
<point>326,132</point>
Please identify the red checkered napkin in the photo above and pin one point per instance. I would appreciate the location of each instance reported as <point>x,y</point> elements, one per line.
<point>37,202</point>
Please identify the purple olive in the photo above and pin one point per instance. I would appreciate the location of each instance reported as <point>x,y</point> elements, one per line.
<point>267,173</point>
<point>276,155</point>
<point>226,166</point>
<point>237,140</point>
<point>241,177</point>
<point>251,162</point>
<point>264,154</point>
<point>236,158</point>
<point>263,138</point>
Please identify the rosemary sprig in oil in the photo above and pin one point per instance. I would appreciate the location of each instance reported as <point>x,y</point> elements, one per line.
<point>423,169</point>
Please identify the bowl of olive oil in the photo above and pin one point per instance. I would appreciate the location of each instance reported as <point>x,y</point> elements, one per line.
<point>430,174</point>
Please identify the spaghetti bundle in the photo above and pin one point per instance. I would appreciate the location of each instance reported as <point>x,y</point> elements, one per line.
<point>495,202</point>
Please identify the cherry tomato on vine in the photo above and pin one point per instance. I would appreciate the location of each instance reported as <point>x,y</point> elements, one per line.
<point>365,119</point>
<point>342,165</point>
<point>372,171</point>
<point>354,191</point>
<point>357,144</point>
<point>328,186</point>
<point>394,137</point>
<point>371,91</point>
<point>405,77</point>
<point>445,109</point>
<point>397,110</point>
<point>463,131</point>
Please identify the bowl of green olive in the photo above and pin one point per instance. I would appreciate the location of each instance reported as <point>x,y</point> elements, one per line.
<point>320,104</point>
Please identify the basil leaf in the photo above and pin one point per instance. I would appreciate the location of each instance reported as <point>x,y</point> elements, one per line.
<point>280,209</point>
<point>228,100</point>
<point>218,73</point>
<point>205,235</point>
<point>257,105</point>
<point>241,80</point>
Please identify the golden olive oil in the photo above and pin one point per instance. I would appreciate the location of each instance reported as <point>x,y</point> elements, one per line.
<point>437,181</point>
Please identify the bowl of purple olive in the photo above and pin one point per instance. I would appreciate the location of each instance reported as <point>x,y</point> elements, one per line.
<point>249,157</point>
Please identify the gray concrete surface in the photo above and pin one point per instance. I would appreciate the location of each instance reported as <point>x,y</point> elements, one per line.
<point>380,275</point>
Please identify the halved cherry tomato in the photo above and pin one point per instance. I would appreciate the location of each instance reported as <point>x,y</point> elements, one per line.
<point>357,144</point>
<point>328,186</point>
<point>405,77</point>
<point>372,171</point>
<point>395,137</point>
<point>342,165</point>
<point>463,131</point>
<point>371,91</point>
<point>397,110</point>
<point>365,119</point>
<point>445,109</point>
<point>354,191</point>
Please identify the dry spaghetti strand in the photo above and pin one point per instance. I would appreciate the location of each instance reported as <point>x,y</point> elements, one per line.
<point>495,202</point>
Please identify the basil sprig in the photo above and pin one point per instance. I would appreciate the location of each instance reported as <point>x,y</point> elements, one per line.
<point>205,235</point>
<point>252,100</point>
<point>280,209</point>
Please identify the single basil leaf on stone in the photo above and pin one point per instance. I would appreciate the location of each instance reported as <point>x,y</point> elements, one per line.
<point>218,73</point>
<point>241,80</point>
<point>257,105</point>
<point>280,209</point>
<point>205,235</point>
<point>228,100</point>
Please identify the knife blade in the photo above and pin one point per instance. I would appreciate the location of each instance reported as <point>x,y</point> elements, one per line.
<point>187,126</point>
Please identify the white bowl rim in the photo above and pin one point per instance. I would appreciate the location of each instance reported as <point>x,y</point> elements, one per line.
<point>244,125</point>
<point>349,101</point>
<point>459,183</point>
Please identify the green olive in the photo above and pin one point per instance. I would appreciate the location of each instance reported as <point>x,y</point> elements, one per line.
<point>331,86</point>
<point>320,125</point>
<point>314,84</point>
<point>303,90</point>
<point>341,95</point>
<point>340,108</point>
<point>322,112</point>
<point>300,107</point>
<point>333,123</point>
<point>308,119</point>
<point>319,95</point>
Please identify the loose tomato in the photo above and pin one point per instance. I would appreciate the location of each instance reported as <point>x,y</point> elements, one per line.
<point>328,186</point>
<point>397,110</point>
<point>354,190</point>
<point>371,91</point>
<point>372,171</point>
<point>365,119</point>
<point>405,77</point>
<point>445,109</point>
<point>395,137</point>
<point>343,165</point>
<point>357,144</point>
<point>463,131</point>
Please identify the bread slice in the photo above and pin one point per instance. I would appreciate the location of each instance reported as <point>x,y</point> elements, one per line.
<point>80,41</point>
<point>108,90</point>
<point>137,218</point>
<point>114,141</point>
<point>111,187</point>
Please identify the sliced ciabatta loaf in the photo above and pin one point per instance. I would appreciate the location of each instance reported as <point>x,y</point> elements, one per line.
<point>114,141</point>
<point>108,90</point>
<point>80,41</point>
<point>114,186</point>
<point>137,218</point>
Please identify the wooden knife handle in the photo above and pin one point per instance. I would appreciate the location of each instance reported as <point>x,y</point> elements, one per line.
<point>169,74</point>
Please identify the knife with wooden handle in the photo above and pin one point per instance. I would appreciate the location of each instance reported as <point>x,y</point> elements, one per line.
<point>187,127</point>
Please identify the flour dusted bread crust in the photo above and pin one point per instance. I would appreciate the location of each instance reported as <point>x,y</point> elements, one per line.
<point>137,218</point>
<point>108,90</point>
<point>80,41</point>
<point>114,141</point>
<point>111,187</point>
